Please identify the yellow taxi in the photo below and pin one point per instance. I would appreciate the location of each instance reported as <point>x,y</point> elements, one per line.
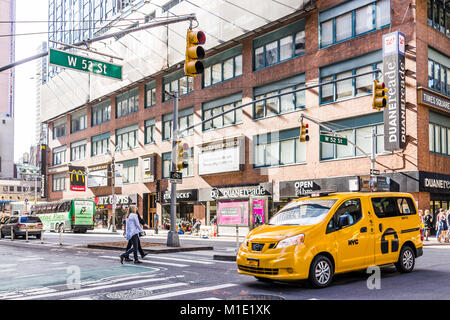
<point>324,234</point>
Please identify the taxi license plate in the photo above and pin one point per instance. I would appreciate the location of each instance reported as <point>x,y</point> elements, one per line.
<point>252,262</point>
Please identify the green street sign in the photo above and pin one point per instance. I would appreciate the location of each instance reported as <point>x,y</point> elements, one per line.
<point>333,139</point>
<point>84,64</point>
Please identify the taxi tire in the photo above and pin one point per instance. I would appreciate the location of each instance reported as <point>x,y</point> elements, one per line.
<point>406,260</point>
<point>322,265</point>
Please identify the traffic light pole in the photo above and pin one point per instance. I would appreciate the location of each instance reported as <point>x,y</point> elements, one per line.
<point>172,237</point>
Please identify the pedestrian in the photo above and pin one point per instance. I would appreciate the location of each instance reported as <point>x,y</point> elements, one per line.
<point>110,223</point>
<point>156,223</point>
<point>442,225</point>
<point>133,229</point>
<point>448,225</point>
<point>130,243</point>
<point>428,223</point>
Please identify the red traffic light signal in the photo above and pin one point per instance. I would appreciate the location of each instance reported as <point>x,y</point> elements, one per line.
<point>194,52</point>
<point>304,132</point>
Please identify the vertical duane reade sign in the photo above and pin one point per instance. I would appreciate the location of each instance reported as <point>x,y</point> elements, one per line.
<point>394,80</point>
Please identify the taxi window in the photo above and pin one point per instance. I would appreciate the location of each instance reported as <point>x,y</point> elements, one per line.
<point>302,213</point>
<point>388,207</point>
<point>350,211</point>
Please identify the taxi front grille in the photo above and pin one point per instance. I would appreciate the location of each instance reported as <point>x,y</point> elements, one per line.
<point>269,271</point>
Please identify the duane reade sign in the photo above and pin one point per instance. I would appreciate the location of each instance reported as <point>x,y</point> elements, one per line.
<point>222,156</point>
<point>394,80</point>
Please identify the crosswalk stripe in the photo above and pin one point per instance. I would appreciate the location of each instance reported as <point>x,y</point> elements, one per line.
<point>66,292</point>
<point>166,286</point>
<point>184,292</point>
<point>152,262</point>
<point>185,260</point>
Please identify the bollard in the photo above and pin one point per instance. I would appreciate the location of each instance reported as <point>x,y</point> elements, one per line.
<point>60,237</point>
<point>26,235</point>
<point>42,236</point>
<point>12,234</point>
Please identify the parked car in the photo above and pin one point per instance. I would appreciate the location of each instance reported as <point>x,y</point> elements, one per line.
<point>20,225</point>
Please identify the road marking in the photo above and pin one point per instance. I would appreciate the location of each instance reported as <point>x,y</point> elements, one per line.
<point>151,262</point>
<point>184,292</point>
<point>8,270</point>
<point>30,259</point>
<point>7,265</point>
<point>31,275</point>
<point>211,298</point>
<point>180,259</point>
<point>166,286</point>
<point>39,290</point>
<point>66,292</point>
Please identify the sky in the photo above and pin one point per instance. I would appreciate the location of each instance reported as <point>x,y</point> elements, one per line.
<point>25,85</point>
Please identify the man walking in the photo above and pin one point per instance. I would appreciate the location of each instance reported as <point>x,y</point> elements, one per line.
<point>428,223</point>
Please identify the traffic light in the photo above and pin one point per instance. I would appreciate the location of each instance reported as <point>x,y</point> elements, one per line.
<point>183,155</point>
<point>304,132</point>
<point>194,52</point>
<point>379,98</point>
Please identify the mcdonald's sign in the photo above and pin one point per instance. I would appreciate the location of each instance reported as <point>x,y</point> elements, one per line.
<point>77,178</point>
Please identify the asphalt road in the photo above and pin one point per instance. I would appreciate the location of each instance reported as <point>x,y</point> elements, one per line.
<point>35,271</point>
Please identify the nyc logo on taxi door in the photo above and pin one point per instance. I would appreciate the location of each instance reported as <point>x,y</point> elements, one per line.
<point>352,242</point>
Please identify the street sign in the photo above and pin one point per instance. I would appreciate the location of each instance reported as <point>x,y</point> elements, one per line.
<point>374,172</point>
<point>176,177</point>
<point>333,139</point>
<point>84,64</point>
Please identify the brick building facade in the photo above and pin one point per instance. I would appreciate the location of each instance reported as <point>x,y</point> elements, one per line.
<point>270,165</point>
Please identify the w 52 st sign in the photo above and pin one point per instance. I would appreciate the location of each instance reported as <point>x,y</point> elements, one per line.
<point>84,64</point>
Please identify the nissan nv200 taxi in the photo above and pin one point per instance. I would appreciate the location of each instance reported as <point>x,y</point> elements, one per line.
<point>318,236</point>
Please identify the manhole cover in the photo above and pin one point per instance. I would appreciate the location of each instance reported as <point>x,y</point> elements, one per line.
<point>257,297</point>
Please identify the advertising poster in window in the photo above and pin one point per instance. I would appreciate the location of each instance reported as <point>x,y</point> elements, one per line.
<point>258,210</point>
<point>232,212</point>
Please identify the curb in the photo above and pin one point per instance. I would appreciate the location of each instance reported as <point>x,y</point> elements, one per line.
<point>224,257</point>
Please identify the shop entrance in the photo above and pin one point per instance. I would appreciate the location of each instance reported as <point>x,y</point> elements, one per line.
<point>150,209</point>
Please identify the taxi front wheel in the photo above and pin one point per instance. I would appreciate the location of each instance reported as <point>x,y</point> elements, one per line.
<point>321,272</point>
<point>406,260</point>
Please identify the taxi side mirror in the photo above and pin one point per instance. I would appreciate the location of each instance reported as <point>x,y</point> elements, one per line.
<point>343,221</point>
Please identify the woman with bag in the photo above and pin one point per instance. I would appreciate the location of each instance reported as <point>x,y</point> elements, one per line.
<point>133,229</point>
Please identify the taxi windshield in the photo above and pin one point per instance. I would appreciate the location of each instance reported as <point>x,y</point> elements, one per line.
<point>303,213</point>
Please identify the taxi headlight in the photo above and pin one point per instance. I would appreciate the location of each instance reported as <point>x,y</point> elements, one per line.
<point>292,241</point>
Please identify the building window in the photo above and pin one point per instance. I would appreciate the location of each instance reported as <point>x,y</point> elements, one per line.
<point>130,171</point>
<point>59,129</point>
<point>127,138</point>
<point>149,131</point>
<point>349,20</point>
<point>58,183</point>
<point>438,13</point>
<point>127,103</point>
<point>360,135</point>
<point>280,45</point>
<point>167,164</point>
<point>78,121</point>
<point>353,87</point>
<point>282,104</point>
<point>185,120</point>
<point>438,72</point>
<point>181,84</point>
<point>222,67</point>
<point>439,138</point>
<point>101,113</point>
<point>100,144</point>
<point>213,108</point>
<point>279,148</point>
<point>150,94</point>
<point>59,155</point>
<point>78,150</point>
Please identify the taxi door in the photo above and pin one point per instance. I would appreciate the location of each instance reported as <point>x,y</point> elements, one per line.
<point>387,229</point>
<point>354,242</point>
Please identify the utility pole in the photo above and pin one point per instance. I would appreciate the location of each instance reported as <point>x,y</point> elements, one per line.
<point>172,237</point>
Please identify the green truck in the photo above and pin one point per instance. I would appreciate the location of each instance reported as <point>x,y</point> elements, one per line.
<point>67,215</point>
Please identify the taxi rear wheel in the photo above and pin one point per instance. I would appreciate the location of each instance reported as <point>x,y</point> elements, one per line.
<point>406,260</point>
<point>321,272</point>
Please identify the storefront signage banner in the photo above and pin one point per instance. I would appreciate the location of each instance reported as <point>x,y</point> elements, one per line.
<point>258,206</point>
<point>120,200</point>
<point>434,101</point>
<point>394,80</point>
<point>77,178</point>
<point>182,195</point>
<point>434,182</point>
<point>290,189</point>
<point>232,213</point>
<point>241,192</point>
<point>223,156</point>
